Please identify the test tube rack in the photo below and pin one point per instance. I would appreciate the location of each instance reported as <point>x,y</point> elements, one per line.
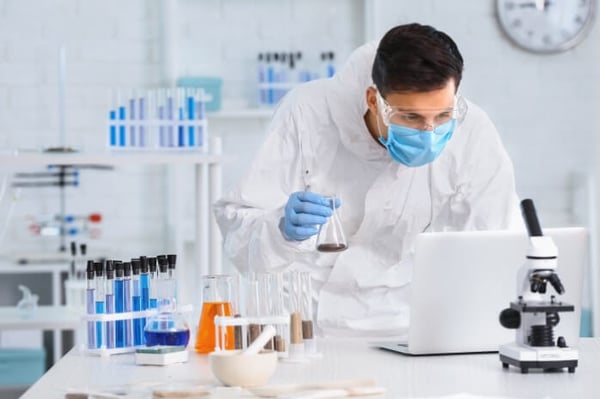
<point>246,329</point>
<point>159,119</point>
<point>100,323</point>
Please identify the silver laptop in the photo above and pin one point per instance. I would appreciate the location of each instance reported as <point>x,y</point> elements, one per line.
<point>462,280</point>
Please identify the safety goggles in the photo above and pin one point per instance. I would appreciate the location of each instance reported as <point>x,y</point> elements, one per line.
<point>422,119</point>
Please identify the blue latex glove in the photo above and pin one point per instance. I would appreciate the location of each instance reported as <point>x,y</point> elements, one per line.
<point>304,212</point>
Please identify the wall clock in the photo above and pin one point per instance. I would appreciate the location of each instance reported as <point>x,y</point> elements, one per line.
<point>546,26</point>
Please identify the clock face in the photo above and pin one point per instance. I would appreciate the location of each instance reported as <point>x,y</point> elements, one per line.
<point>546,26</point>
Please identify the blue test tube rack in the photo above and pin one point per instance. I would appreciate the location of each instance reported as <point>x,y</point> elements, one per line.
<point>158,120</point>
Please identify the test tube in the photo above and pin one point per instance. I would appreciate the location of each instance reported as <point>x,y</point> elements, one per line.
<point>144,287</point>
<point>281,330</point>
<point>127,305</point>
<point>172,261</point>
<point>99,296</point>
<point>153,304</point>
<point>171,118</point>
<point>120,304</point>
<point>142,117</point>
<point>201,108</point>
<point>122,117</point>
<point>191,113</point>
<point>132,115</point>
<point>90,305</point>
<point>296,349</point>
<point>110,304</point>
<point>163,275</point>
<point>253,309</point>
<point>265,302</point>
<point>310,347</point>
<point>180,114</point>
<point>136,302</point>
<point>162,139</point>
<point>112,116</point>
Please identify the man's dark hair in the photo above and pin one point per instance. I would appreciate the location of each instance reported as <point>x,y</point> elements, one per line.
<point>416,58</point>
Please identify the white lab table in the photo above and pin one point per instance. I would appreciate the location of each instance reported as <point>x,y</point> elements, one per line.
<point>403,376</point>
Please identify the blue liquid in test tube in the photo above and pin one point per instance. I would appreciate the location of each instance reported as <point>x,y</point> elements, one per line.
<point>119,305</point>
<point>113,128</point>
<point>171,118</point>
<point>191,116</point>
<point>181,130</point>
<point>99,300</point>
<point>127,304</point>
<point>136,303</point>
<point>122,131</point>
<point>109,303</point>
<point>161,128</point>
<point>144,288</point>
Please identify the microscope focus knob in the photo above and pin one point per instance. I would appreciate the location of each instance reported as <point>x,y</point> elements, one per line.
<point>510,318</point>
<point>561,342</point>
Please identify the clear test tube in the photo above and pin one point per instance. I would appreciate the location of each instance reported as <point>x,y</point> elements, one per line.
<point>253,308</point>
<point>171,118</point>
<point>200,115</point>
<point>278,309</point>
<point>240,332</point>
<point>142,104</point>
<point>306,309</point>
<point>110,304</point>
<point>90,305</point>
<point>99,297</point>
<point>133,142</point>
<point>296,350</point>
<point>161,109</point>
<point>265,303</point>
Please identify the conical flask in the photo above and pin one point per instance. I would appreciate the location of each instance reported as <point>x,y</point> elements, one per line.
<point>331,236</point>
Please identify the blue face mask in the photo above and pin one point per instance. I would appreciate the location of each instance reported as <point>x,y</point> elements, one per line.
<point>413,147</point>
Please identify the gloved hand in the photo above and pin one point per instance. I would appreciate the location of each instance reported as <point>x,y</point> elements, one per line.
<point>304,211</point>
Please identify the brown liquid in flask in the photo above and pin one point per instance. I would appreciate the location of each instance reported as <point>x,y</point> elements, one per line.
<point>331,236</point>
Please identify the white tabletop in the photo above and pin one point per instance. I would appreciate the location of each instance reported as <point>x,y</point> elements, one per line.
<point>403,376</point>
<point>43,318</point>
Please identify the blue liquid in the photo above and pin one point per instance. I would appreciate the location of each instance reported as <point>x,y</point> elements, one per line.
<point>119,308</point>
<point>145,285</point>
<point>113,129</point>
<point>122,138</point>
<point>127,308</point>
<point>138,327</point>
<point>177,338</point>
<point>99,310</point>
<point>191,116</point>
<point>153,303</point>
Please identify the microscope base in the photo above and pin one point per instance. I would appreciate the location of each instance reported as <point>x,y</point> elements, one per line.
<point>546,358</point>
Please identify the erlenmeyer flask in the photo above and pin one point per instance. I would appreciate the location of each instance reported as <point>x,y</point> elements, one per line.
<point>331,236</point>
<point>216,301</point>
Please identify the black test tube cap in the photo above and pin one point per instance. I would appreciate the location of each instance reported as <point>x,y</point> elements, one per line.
<point>143,264</point>
<point>172,258</point>
<point>127,269</point>
<point>163,264</point>
<point>119,268</point>
<point>90,269</point>
<point>110,270</point>
<point>83,249</point>
<point>152,264</point>
<point>73,248</point>
<point>135,266</point>
<point>99,269</point>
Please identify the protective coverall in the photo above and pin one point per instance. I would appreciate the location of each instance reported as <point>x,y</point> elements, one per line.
<point>318,140</point>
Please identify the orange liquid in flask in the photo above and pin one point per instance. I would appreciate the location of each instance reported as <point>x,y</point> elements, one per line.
<point>205,338</point>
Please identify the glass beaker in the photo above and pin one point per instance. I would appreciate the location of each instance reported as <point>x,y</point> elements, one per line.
<point>167,327</point>
<point>331,236</point>
<point>216,301</point>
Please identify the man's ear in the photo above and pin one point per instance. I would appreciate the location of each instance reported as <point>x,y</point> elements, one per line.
<point>371,97</point>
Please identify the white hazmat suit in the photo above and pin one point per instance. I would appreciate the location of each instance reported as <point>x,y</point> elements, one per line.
<point>318,139</point>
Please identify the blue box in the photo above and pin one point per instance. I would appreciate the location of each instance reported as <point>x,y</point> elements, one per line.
<point>211,86</point>
<point>21,366</point>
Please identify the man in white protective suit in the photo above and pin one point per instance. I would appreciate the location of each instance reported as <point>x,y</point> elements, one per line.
<point>390,136</point>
